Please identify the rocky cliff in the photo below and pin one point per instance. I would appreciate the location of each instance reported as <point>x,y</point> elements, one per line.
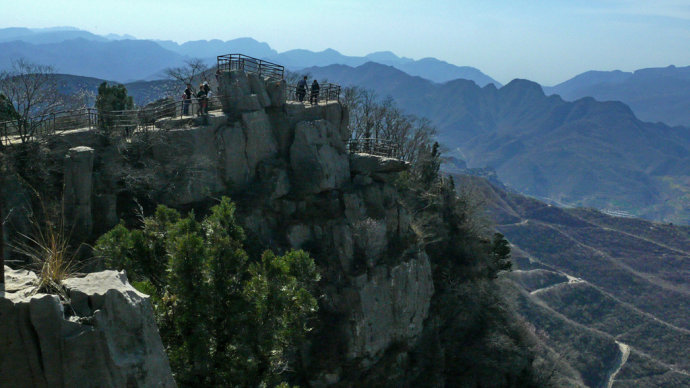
<point>104,336</point>
<point>287,166</point>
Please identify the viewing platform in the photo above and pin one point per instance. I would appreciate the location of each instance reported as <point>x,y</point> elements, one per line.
<point>245,84</point>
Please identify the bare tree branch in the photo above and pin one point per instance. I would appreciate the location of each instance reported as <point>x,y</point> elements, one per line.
<point>192,72</point>
<point>32,90</point>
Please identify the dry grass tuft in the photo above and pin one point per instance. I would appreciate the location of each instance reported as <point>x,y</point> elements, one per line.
<point>48,249</point>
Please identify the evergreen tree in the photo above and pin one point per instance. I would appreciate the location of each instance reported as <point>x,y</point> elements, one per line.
<point>226,320</point>
<point>111,98</point>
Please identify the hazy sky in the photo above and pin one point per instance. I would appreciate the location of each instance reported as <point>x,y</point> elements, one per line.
<point>547,41</point>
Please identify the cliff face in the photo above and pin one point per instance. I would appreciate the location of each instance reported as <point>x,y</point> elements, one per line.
<point>104,337</point>
<point>287,166</point>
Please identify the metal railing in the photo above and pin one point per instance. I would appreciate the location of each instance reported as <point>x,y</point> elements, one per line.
<point>327,92</point>
<point>249,64</point>
<point>123,122</point>
<point>379,147</point>
<point>21,130</point>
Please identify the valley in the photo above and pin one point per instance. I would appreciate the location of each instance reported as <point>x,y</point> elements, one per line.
<point>610,293</point>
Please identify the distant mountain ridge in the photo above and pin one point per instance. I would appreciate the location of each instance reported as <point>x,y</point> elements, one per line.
<point>42,36</point>
<point>120,60</point>
<point>57,46</point>
<point>654,94</point>
<point>582,153</point>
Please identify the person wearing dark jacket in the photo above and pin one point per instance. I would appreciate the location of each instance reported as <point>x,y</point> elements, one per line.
<point>314,96</point>
<point>301,89</point>
<point>203,100</point>
<point>186,100</point>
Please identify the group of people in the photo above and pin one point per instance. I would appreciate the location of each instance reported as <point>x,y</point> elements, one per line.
<point>202,96</point>
<point>205,92</point>
<point>302,91</point>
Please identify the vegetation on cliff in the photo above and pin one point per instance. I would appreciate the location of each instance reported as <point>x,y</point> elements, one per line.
<point>473,336</point>
<point>226,319</point>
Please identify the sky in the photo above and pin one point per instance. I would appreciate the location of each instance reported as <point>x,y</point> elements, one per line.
<point>547,41</point>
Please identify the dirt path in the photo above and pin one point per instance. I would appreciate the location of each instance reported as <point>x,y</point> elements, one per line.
<point>625,352</point>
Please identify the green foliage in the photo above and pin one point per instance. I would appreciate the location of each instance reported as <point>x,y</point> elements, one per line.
<point>480,340</point>
<point>225,319</point>
<point>142,253</point>
<point>111,98</point>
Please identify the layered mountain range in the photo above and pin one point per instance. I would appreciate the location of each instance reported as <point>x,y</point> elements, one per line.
<point>575,153</point>
<point>656,94</point>
<point>125,59</point>
<point>581,153</point>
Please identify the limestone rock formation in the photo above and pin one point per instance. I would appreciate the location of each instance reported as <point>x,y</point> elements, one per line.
<point>105,336</point>
<point>391,305</point>
<point>297,186</point>
<point>78,182</point>
<point>318,158</point>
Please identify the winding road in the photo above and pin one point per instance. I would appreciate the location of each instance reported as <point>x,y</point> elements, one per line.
<point>625,352</point>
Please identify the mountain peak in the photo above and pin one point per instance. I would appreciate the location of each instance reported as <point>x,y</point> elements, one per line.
<point>524,86</point>
<point>383,56</point>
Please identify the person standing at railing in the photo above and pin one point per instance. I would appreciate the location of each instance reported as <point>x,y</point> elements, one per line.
<point>314,96</point>
<point>301,89</point>
<point>186,100</point>
<point>203,100</point>
<point>209,94</point>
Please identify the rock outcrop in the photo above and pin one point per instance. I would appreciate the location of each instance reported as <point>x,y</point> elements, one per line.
<point>297,186</point>
<point>104,336</point>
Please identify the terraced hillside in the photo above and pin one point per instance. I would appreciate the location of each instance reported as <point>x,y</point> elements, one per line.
<point>610,295</point>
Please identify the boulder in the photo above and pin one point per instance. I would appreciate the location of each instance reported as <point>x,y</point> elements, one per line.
<point>276,91</point>
<point>236,90</point>
<point>318,158</point>
<point>237,78</point>
<point>104,337</point>
<point>258,87</point>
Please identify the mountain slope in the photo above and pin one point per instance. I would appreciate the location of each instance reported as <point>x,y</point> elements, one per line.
<point>441,71</point>
<point>584,153</point>
<point>654,94</point>
<point>597,286</point>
